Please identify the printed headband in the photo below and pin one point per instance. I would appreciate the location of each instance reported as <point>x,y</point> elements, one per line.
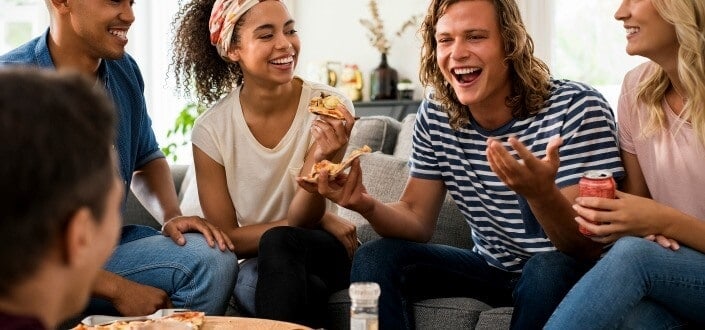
<point>224,15</point>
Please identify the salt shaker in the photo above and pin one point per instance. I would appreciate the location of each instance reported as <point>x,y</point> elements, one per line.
<point>363,310</point>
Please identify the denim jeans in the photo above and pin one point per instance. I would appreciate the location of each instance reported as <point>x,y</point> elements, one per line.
<point>195,276</point>
<point>408,272</point>
<point>637,283</point>
<point>245,286</point>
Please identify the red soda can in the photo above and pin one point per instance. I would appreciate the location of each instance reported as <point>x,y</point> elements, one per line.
<point>596,183</point>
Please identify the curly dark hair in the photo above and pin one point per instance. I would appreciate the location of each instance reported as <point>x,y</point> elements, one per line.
<point>197,66</point>
<point>530,75</point>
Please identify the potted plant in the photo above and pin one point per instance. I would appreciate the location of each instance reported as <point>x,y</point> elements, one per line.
<point>180,134</point>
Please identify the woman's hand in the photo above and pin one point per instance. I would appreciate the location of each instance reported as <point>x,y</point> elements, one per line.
<point>332,135</point>
<point>175,228</point>
<point>343,230</point>
<point>627,215</point>
<point>345,190</point>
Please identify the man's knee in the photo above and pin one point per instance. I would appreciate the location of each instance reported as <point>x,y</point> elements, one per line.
<point>377,257</point>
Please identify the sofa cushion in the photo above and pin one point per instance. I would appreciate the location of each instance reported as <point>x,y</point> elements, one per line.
<point>403,147</point>
<point>384,176</point>
<point>378,132</point>
<point>188,194</point>
<point>437,313</point>
<point>496,318</point>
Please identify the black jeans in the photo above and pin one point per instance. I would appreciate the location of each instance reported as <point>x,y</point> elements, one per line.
<point>298,270</point>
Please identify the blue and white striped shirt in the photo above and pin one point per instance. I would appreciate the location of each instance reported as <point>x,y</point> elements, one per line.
<point>504,230</point>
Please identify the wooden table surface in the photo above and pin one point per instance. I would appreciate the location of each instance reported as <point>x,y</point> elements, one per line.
<point>228,322</point>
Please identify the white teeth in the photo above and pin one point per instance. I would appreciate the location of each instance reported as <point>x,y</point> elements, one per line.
<point>465,70</point>
<point>632,30</point>
<point>285,60</point>
<point>118,33</point>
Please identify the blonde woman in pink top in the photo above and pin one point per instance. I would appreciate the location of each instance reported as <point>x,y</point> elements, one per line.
<point>654,274</point>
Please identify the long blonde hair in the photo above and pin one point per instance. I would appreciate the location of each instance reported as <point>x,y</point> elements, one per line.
<point>688,18</point>
<point>529,75</point>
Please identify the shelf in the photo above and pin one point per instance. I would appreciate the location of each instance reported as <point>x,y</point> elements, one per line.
<point>397,109</point>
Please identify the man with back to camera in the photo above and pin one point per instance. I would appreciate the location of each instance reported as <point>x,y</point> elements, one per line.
<point>61,214</point>
<point>147,271</point>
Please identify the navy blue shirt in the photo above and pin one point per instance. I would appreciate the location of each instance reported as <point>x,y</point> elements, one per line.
<point>504,229</point>
<point>135,141</point>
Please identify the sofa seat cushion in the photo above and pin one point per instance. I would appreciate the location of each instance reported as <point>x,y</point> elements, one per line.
<point>437,313</point>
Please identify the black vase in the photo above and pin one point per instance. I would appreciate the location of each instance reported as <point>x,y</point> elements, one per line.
<point>383,81</point>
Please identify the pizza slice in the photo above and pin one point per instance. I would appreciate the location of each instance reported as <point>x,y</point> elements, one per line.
<point>181,320</point>
<point>326,106</point>
<point>334,169</point>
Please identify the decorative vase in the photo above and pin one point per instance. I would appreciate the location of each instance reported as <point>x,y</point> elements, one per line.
<point>383,81</point>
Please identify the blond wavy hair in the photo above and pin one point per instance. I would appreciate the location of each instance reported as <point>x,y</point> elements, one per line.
<point>529,75</point>
<point>688,18</point>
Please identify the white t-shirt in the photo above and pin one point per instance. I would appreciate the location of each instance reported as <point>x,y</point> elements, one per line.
<point>671,160</point>
<point>261,181</point>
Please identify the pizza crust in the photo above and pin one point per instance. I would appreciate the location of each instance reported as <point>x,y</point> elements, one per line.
<point>182,320</point>
<point>334,169</point>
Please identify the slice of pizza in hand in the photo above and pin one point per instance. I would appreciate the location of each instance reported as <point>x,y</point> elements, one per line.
<point>326,106</point>
<point>334,169</point>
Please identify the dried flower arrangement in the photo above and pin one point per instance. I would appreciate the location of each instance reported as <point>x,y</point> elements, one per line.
<point>375,27</point>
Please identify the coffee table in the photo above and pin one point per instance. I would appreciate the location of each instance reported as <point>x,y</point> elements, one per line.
<point>229,322</point>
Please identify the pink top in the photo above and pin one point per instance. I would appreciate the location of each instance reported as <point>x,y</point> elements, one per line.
<point>672,161</point>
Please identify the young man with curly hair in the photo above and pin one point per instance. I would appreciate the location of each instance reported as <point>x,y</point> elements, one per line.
<point>509,143</point>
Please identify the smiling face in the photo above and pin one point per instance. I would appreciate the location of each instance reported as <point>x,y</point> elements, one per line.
<point>648,34</point>
<point>99,27</point>
<point>268,44</point>
<point>470,53</point>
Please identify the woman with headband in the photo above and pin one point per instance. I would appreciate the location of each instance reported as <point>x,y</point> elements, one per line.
<point>250,146</point>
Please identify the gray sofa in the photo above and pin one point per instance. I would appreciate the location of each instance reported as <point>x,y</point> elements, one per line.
<point>384,174</point>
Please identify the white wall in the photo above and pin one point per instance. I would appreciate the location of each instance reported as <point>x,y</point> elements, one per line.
<point>330,30</point>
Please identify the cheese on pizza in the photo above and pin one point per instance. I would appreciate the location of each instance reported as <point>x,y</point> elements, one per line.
<point>326,106</point>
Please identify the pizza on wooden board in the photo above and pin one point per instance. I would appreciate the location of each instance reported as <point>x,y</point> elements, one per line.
<point>334,169</point>
<point>326,106</point>
<point>182,320</point>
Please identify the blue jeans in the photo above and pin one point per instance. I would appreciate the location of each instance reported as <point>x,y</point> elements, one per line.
<point>245,287</point>
<point>195,276</point>
<point>408,272</point>
<point>637,282</point>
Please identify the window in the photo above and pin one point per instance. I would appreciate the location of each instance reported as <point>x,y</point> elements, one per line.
<point>20,21</point>
<point>588,45</point>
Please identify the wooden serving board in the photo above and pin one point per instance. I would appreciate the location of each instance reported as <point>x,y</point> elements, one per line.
<point>227,322</point>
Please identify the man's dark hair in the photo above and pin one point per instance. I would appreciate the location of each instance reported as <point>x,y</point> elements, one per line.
<point>56,132</point>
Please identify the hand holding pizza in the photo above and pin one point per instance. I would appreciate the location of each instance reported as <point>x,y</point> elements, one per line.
<point>344,189</point>
<point>331,130</point>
